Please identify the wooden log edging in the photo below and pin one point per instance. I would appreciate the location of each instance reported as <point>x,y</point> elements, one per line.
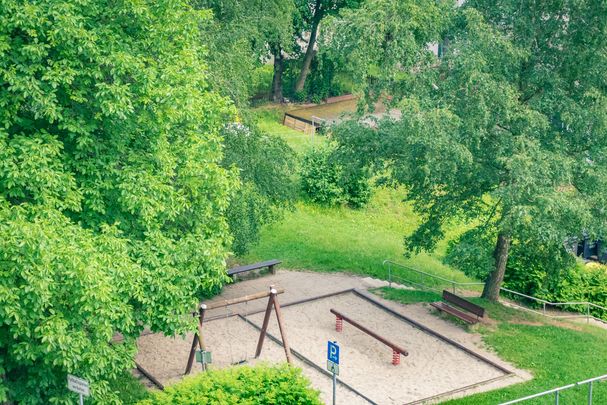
<point>369,332</point>
<point>149,376</point>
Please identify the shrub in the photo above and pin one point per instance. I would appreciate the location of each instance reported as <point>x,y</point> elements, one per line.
<point>241,385</point>
<point>320,177</point>
<point>265,165</point>
<point>545,271</point>
<point>327,182</point>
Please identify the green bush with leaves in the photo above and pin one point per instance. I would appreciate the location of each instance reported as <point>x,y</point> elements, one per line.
<point>542,270</point>
<point>325,181</point>
<point>112,193</point>
<point>266,167</point>
<point>241,385</point>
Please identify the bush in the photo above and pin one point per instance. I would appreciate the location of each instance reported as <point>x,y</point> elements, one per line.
<point>241,385</point>
<point>320,177</point>
<point>544,271</point>
<point>265,165</point>
<point>326,182</point>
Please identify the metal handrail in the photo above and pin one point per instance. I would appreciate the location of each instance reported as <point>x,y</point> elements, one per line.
<point>454,284</point>
<point>556,391</point>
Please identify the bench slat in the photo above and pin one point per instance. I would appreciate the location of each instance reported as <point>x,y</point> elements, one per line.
<point>441,306</point>
<point>254,266</point>
<point>463,303</point>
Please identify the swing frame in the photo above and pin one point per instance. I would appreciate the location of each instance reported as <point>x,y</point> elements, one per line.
<point>272,294</point>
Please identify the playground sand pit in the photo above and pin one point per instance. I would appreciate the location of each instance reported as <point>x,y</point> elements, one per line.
<point>230,340</point>
<point>433,366</point>
<point>433,369</point>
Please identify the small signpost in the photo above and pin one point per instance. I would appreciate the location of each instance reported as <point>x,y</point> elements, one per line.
<point>333,363</point>
<point>79,386</point>
<point>203,357</point>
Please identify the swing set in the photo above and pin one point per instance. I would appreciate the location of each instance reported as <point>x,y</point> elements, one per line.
<point>198,348</point>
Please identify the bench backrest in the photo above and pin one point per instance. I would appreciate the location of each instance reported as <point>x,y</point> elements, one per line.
<point>462,303</point>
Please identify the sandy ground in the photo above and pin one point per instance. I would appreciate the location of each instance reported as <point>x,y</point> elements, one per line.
<point>433,366</point>
<point>230,340</point>
<point>366,362</point>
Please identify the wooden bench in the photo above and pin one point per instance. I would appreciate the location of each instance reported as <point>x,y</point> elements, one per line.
<point>460,308</point>
<point>255,266</point>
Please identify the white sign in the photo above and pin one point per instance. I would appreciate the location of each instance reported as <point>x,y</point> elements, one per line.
<point>78,385</point>
<point>332,367</point>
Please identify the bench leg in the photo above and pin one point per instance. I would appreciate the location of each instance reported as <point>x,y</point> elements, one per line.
<point>395,358</point>
<point>272,269</point>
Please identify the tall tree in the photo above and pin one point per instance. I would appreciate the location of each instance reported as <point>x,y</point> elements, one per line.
<point>241,37</point>
<point>312,13</point>
<point>112,193</point>
<point>508,131</point>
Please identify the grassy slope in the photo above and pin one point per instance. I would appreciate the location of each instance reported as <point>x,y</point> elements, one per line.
<point>333,239</point>
<point>554,354</point>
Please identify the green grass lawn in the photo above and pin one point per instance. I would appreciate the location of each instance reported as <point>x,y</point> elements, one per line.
<point>269,120</point>
<point>555,353</point>
<point>342,239</point>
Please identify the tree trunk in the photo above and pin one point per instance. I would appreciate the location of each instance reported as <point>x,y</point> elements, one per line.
<point>276,93</point>
<point>305,68</point>
<point>494,282</point>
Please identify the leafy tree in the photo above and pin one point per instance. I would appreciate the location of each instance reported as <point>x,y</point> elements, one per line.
<point>265,164</point>
<point>311,13</point>
<point>240,37</point>
<point>112,193</point>
<point>508,129</point>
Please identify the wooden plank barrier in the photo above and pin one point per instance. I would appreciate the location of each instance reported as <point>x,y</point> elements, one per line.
<point>396,350</point>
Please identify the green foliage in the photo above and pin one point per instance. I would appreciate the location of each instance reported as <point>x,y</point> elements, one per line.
<point>129,390</point>
<point>238,37</point>
<point>325,181</point>
<point>380,43</point>
<point>509,127</point>
<point>266,167</point>
<point>241,385</point>
<point>112,194</point>
<point>543,270</point>
<point>320,177</point>
<point>358,241</point>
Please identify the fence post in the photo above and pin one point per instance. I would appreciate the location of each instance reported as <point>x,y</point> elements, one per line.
<point>588,312</point>
<point>544,308</point>
<point>389,274</point>
<point>453,287</point>
<point>556,398</point>
<point>590,393</point>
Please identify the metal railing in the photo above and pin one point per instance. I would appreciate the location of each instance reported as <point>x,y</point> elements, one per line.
<point>427,281</point>
<point>557,391</point>
<point>399,273</point>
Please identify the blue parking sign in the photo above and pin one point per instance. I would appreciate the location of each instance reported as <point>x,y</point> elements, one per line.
<point>333,352</point>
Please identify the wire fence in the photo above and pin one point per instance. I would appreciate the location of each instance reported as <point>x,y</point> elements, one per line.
<point>405,275</point>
